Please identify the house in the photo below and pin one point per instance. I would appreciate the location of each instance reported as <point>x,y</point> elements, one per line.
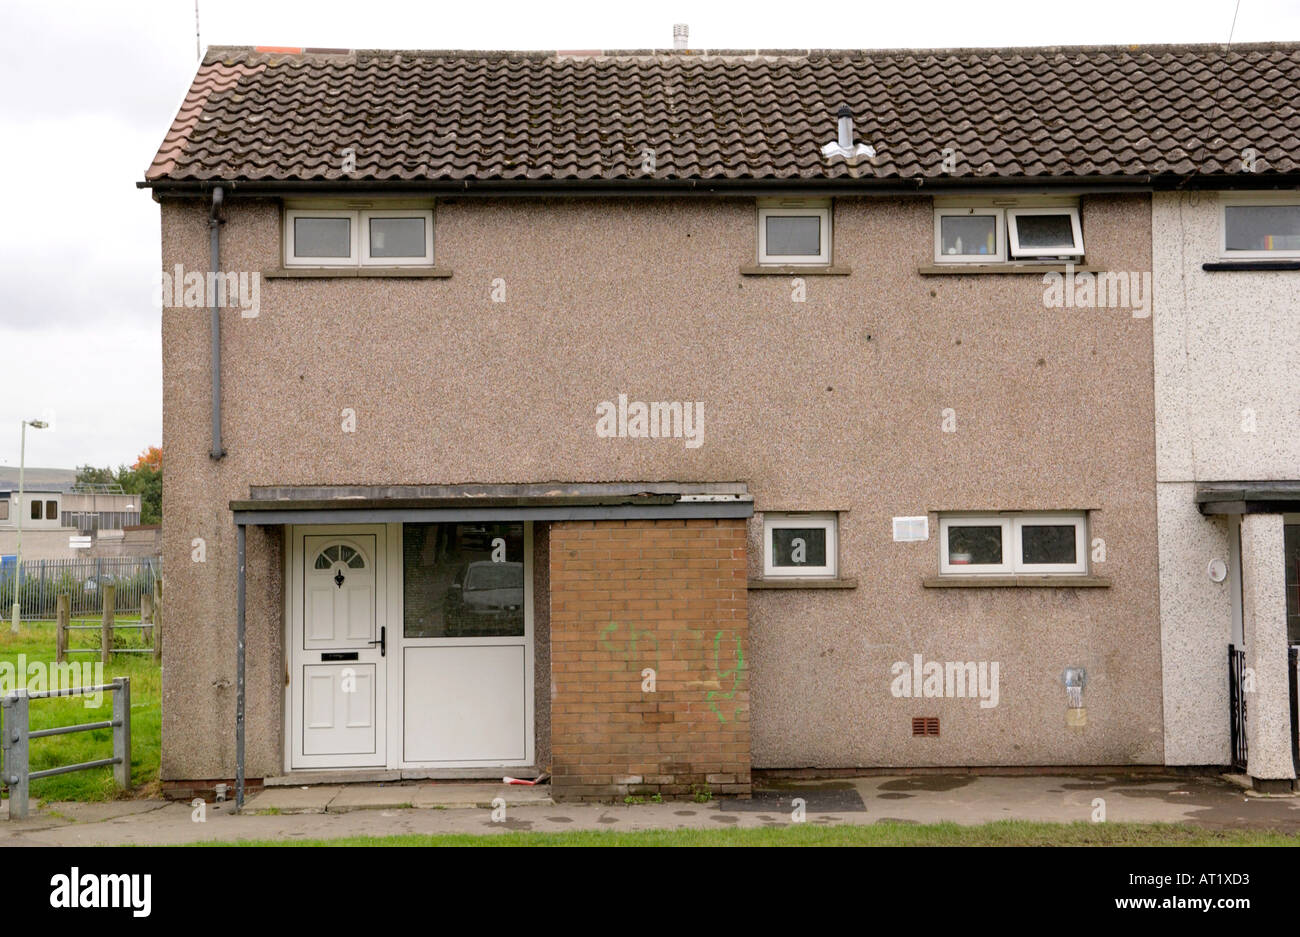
<point>59,512</point>
<point>1227,278</point>
<point>662,417</point>
<point>44,534</point>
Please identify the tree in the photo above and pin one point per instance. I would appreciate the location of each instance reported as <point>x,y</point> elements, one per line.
<point>144,478</point>
<point>151,458</point>
<point>89,475</point>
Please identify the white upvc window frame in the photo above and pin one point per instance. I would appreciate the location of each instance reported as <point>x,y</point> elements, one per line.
<point>364,225</point>
<point>1015,252</point>
<point>947,522</point>
<point>1000,227</point>
<point>1080,565</point>
<point>822,211</point>
<point>1259,200</point>
<point>292,214</point>
<point>828,521</point>
<point>1013,544</point>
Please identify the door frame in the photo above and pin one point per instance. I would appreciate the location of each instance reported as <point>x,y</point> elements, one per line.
<point>389,612</point>
<point>295,655</point>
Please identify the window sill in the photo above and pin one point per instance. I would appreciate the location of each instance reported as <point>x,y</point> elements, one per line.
<point>794,583</point>
<point>1022,582</point>
<point>1242,266</point>
<point>330,273</point>
<point>794,270</point>
<point>932,270</point>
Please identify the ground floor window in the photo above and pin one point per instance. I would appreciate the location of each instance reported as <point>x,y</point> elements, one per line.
<point>972,544</point>
<point>799,545</point>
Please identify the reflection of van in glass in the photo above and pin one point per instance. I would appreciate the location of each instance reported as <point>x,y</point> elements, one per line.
<point>486,598</point>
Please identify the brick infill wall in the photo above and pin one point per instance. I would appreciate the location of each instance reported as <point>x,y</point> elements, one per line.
<point>649,662</point>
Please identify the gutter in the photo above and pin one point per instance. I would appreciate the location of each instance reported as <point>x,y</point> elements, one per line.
<point>214,251</point>
<point>676,188</point>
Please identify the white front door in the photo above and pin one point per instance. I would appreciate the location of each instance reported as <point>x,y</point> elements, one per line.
<point>338,671</point>
<point>411,646</point>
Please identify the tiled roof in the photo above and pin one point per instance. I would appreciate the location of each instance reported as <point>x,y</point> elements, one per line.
<point>1016,114</point>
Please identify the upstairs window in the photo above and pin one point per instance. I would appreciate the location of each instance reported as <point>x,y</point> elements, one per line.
<point>793,231</point>
<point>1036,233</point>
<point>345,238</point>
<point>988,234</point>
<point>1254,227</point>
<point>969,235</point>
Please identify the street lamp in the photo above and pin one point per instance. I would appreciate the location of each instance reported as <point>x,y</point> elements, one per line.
<point>22,458</point>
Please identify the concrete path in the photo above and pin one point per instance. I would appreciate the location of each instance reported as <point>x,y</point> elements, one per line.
<point>331,811</point>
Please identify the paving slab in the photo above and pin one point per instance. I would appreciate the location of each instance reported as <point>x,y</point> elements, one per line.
<point>477,795</point>
<point>290,800</point>
<point>333,776</point>
<point>1209,802</point>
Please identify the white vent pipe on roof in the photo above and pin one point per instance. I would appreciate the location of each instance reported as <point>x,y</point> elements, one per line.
<point>845,116</point>
<point>843,144</point>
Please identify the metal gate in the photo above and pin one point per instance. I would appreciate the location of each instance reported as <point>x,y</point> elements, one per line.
<point>1237,705</point>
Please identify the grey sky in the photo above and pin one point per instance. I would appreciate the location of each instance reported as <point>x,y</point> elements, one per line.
<point>89,89</point>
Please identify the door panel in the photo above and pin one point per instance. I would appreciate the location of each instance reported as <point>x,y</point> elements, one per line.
<point>466,695</point>
<point>465,704</point>
<point>360,613</point>
<point>340,709</point>
<point>339,581</point>
<point>320,615</point>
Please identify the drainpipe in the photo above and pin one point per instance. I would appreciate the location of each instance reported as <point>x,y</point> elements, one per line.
<point>214,250</point>
<point>241,561</point>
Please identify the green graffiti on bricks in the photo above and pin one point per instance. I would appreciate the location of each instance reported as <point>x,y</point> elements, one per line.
<point>629,637</point>
<point>733,673</point>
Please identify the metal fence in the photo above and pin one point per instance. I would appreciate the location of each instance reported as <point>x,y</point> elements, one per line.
<point>82,579</point>
<point>18,733</point>
<point>1237,706</point>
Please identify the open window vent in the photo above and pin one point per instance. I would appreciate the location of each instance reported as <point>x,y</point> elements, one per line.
<point>925,726</point>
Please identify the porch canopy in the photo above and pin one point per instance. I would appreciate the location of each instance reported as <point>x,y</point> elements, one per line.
<point>1261,497</point>
<point>468,503</point>
<point>349,504</point>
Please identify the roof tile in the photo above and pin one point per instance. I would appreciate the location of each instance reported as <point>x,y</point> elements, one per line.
<point>268,114</point>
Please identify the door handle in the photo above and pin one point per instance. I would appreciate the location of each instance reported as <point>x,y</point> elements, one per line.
<point>382,642</point>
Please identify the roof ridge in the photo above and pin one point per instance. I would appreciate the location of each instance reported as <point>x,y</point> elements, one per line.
<point>956,51</point>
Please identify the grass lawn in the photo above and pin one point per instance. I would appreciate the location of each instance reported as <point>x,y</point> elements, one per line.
<point>1002,833</point>
<point>36,640</point>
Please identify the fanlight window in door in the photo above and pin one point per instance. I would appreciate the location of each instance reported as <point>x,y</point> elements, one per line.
<point>340,553</point>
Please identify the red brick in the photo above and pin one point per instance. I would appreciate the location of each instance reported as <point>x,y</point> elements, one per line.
<point>673,583</point>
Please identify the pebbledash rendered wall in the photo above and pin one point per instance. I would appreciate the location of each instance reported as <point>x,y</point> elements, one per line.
<point>832,404</point>
<point>1226,361</point>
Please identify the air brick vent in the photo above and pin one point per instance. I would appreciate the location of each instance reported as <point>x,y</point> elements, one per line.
<point>925,726</point>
